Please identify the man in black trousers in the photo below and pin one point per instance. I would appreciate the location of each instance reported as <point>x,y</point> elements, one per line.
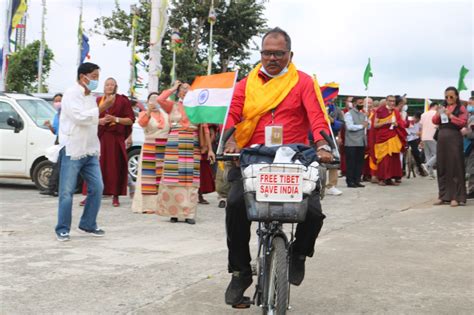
<point>356,124</point>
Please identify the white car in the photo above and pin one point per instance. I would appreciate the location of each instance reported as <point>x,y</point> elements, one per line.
<point>138,137</point>
<point>24,139</point>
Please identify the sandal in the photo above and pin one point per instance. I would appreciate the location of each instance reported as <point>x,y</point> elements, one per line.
<point>454,203</point>
<point>439,203</point>
<point>83,202</point>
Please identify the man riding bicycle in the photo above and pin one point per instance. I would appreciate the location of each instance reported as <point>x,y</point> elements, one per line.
<point>274,99</point>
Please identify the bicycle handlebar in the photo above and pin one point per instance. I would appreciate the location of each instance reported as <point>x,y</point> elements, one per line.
<point>232,156</point>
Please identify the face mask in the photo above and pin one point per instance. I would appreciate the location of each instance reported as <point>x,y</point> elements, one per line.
<point>57,105</point>
<point>282,72</point>
<point>92,85</point>
<point>359,107</point>
<point>470,108</point>
<point>404,108</point>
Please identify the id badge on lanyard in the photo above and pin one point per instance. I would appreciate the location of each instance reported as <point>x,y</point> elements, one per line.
<point>273,133</point>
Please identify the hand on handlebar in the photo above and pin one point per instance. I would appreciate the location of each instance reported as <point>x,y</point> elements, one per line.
<point>231,146</point>
<point>325,157</point>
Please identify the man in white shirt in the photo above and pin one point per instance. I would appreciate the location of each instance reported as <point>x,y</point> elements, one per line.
<point>428,130</point>
<point>80,151</point>
<point>413,139</point>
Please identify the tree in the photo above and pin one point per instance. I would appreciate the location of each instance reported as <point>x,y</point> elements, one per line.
<point>23,68</point>
<point>233,33</point>
<point>237,22</point>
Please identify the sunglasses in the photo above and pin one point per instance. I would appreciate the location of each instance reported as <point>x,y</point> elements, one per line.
<point>449,97</point>
<point>277,53</point>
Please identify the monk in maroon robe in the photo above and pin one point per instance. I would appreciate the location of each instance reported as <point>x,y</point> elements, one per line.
<point>390,139</point>
<point>115,125</point>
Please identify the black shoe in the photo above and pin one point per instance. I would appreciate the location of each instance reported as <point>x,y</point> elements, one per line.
<point>97,232</point>
<point>352,186</point>
<point>470,195</point>
<point>359,185</point>
<point>296,275</point>
<point>222,204</point>
<point>190,221</point>
<point>237,286</point>
<point>173,220</point>
<point>46,192</point>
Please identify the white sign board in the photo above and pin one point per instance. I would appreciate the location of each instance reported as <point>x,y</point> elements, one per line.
<point>279,187</point>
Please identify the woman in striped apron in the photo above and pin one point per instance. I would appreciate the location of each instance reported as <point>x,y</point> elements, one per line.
<point>178,192</point>
<point>155,124</point>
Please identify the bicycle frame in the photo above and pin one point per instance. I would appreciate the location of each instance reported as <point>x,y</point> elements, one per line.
<point>266,232</point>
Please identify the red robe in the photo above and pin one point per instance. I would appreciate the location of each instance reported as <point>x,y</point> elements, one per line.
<point>388,164</point>
<point>372,161</point>
<point>113,154</point>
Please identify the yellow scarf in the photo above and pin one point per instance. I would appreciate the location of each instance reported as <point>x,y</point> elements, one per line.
<point>260,98</point>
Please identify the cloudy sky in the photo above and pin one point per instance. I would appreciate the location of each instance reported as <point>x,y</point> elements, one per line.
<point>416,46</point>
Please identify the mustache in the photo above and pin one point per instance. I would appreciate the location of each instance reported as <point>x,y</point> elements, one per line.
<point>273,63</point>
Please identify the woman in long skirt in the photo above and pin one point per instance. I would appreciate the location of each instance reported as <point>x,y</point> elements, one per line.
<point>178,192</point>
<point>449,152</point>
<point>155,124</point>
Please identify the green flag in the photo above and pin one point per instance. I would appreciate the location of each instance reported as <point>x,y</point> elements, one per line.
<point>367,75</point>
<point>462,75</point>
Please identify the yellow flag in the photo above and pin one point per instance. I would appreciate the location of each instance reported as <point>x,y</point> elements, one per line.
<point>20,11</point>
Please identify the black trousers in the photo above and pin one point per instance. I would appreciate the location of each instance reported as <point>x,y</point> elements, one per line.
<point>238,226</point>
<point>354,164</point>
<point>416,152</point>
<point>53,184</point>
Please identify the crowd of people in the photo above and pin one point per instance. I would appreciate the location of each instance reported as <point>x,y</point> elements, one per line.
<point>377,142</point>
<point>380,143</point>
<point>175,162</point>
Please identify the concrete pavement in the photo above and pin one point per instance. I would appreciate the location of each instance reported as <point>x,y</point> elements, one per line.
<point>382,250</point>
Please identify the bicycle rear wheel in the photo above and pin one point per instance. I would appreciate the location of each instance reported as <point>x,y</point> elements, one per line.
<point>275,291</point>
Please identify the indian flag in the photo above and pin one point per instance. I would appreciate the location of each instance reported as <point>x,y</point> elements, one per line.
<point>209,98</point>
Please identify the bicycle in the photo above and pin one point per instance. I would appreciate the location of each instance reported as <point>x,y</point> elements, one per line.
<point>272,290</point>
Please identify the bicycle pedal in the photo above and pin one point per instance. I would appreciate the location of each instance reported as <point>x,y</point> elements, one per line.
<point>244,303</point>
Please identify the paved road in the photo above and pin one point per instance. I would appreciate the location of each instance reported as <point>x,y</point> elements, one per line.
<point>382,250</point>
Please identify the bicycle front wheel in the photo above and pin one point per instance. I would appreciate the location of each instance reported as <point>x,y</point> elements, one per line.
<point>276,284</point>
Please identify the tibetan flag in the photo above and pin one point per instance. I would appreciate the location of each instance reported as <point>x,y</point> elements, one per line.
<point>209,98</point>
<point>84,48</point>
<point>319,96</point>
<point>330,91</point>
<point>18,11</point>
<point>427,104</point>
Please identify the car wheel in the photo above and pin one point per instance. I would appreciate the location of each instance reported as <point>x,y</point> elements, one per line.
<point>133,160</point>
<point>41,174</point>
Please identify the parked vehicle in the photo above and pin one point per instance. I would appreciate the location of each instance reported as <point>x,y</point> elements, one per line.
<point>138,138</point>
<point>24,139</point>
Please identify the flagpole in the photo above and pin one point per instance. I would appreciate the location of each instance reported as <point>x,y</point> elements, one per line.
<point>209,62</point>
<point>133,10</point>
<point>79,39</point>
<point>173,69</point>
<point>220,146</point>
<point>41,50</point>
<point>6,46</point>
<point>159,19</point>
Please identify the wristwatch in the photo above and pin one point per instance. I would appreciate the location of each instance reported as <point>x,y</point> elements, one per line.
<point>324,147</point>
<point>116,120</point>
